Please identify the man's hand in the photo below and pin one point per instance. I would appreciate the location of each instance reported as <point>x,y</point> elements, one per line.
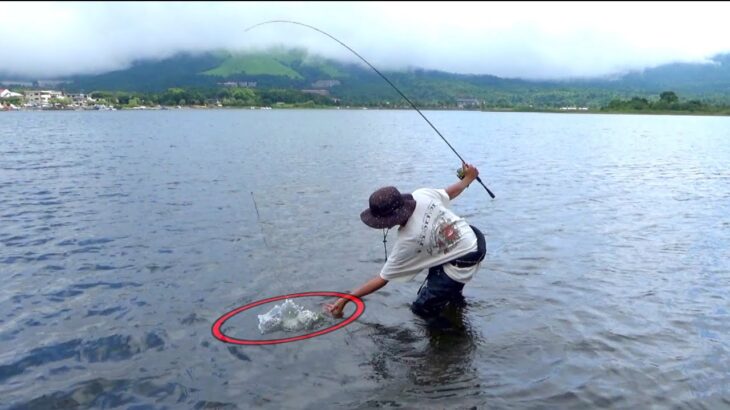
<point>470,172</point>
<point>336,308</point>
<point>367,288</point>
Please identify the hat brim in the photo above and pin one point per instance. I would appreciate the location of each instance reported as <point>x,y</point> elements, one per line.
<point>398,217</point>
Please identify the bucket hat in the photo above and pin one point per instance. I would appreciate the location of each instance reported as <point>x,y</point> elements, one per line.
<point>388,207</point>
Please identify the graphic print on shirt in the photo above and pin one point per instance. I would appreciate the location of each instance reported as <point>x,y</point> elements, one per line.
<point>439,229</point>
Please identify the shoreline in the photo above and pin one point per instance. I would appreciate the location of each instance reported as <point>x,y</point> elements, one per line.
<point>363,108</point>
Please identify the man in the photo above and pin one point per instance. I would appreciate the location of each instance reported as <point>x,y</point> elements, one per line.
<point>430,236</point>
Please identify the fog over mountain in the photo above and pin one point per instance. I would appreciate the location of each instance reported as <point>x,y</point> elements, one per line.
<point>513,40</point>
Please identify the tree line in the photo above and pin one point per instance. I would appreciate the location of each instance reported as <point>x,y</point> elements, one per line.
<point>424,97</point>
<point>227,97</point>
<point>668,101</point>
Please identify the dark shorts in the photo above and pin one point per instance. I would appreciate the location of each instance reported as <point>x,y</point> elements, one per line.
<point>440,290</point>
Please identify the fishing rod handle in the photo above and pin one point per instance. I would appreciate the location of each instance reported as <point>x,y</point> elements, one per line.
<point>460,175</point>
<point>485,187</point>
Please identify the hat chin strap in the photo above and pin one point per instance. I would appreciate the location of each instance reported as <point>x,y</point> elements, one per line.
<point>385,240</point>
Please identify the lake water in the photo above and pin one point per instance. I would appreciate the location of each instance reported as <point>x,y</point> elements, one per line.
<point>125,235</point>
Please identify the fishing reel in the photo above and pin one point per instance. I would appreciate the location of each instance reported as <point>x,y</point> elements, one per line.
<point>460,173</point>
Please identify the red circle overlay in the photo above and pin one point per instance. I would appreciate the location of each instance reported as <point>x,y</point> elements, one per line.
<point>218,333</point>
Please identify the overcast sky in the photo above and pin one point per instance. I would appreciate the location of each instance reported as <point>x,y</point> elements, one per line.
<point>527,40</point>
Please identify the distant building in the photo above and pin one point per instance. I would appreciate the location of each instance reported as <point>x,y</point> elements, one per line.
<point>318,92</point>
<point>325,83</point>
<point>242,84</point>
<point>42,97</point>
<point>5,93</point>
<point>8,107</point>
<point>468,102</point>
<point>80,99</point>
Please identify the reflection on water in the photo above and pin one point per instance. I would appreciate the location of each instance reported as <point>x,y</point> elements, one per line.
<point>125,235</point>
<point>425,361</point>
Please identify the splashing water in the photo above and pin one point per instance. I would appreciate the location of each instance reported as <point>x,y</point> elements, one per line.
<point>289,317</point>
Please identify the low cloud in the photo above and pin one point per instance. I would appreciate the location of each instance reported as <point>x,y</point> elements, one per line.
<point>526,40</point>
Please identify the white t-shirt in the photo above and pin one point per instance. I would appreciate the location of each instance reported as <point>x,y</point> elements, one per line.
<point>432,236</point>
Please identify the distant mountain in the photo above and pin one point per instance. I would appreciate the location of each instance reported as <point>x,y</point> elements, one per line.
<point>711,79</point>
<point>180,70</point>
<point>355,83</point>
<point>706,81</point>
<point>277,68</point>
<point>352,83</point>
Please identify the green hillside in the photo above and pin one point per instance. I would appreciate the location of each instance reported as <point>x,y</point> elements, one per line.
<point>295,64</point>
<point>282,69</point>
<point>256,64</point>
<point>323,66</point>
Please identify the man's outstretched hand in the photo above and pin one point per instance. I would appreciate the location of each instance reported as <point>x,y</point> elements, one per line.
<point>336,308</point>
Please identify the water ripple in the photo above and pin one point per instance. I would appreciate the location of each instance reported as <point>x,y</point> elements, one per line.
<point>125,234</point>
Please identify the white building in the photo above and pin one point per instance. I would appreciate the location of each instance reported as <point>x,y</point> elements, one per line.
<point>318,92</point>
<point>467,102</point>
<point>242,84</point>
<point>81,99</point>
<point>5,93</point>
<point>325,83</point>
<point>42,97</point>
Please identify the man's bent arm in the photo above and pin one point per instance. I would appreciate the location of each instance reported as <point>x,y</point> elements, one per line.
<point>470,174</point>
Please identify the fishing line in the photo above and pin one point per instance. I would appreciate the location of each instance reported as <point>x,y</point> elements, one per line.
<point>258,218</point>
<point>381,75</point>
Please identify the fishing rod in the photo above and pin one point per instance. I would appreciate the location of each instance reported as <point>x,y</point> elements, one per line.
<point>381,75</point>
